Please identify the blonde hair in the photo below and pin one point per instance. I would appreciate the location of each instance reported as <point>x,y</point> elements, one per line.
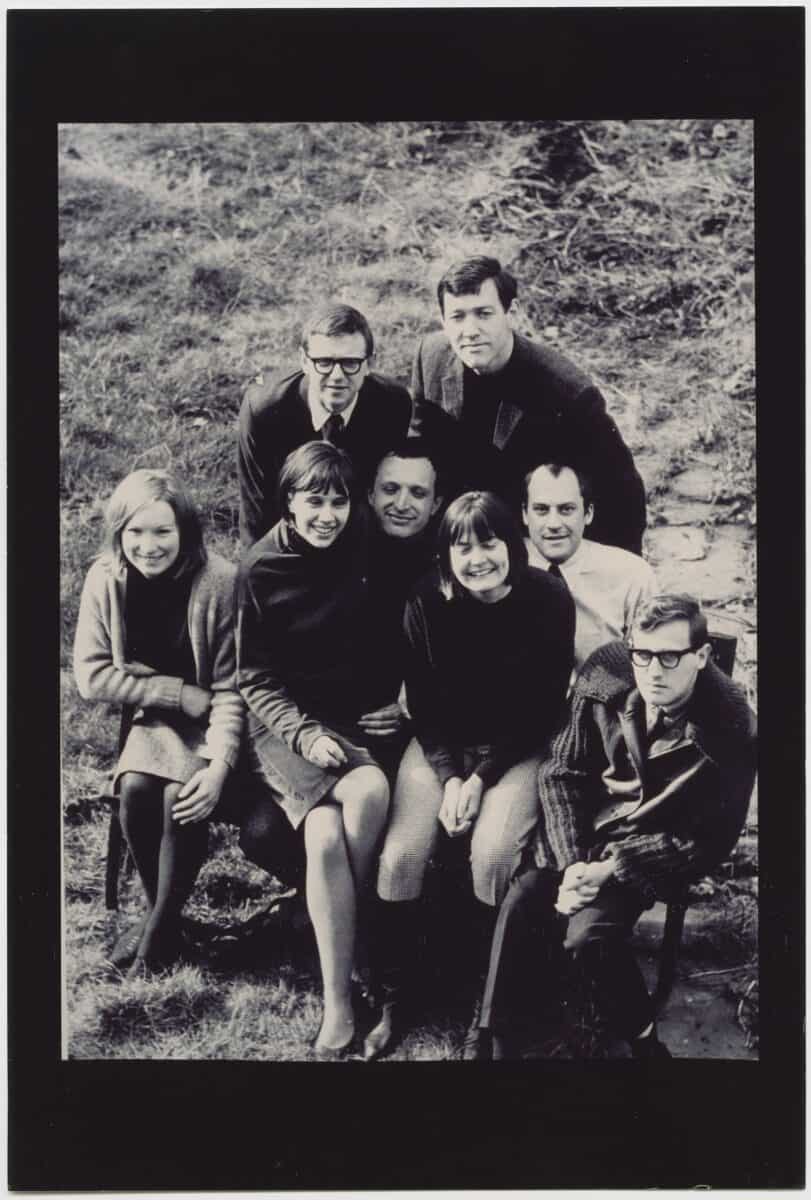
<point>146,486</point>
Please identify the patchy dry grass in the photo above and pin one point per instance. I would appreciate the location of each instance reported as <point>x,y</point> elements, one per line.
<point>188,254</point>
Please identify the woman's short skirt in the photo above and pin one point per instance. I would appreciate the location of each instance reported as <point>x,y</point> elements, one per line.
<point>164,744</point>
<point>298,784</point>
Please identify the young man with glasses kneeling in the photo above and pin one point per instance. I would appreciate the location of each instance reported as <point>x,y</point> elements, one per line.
<point>646,789</point>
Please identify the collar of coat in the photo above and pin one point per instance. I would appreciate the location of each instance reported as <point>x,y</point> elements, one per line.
<point>717,713</point>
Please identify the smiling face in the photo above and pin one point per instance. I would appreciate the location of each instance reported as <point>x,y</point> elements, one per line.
<point>319,517</point>
<point>404,495</point>
<point>481,566</point>
<point>658,685</point>
<point>555,515</point>
<point>478,328</point>
<point>150,541</point>
<point>335,391</point>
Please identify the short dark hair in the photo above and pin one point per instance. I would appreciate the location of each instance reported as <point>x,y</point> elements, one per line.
<point>336,320</point>
<point>486,516</point>
<point>673,606</point>
<point>465,278</point>
<point>147,486</point>
<point>316,467</point>
<point>414,447</point>
<point>554,469</point>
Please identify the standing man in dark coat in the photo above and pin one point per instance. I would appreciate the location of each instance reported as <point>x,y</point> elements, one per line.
<point>517,404</point>
<point>334,397</point>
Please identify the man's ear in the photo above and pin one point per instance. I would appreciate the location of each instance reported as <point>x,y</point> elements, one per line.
<point>516,314</point>
<point>704,653</point>
<point>437,501</point>
<point>589,517</point>
<point>524,515</point>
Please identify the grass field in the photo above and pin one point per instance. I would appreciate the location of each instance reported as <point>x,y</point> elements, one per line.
<point>188,255</point>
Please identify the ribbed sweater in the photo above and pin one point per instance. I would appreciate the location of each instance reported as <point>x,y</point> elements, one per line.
<point>99,651</point>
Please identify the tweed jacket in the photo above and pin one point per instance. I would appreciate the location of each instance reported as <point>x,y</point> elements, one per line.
<point>668,835</point>
<point>551,412</point>
<point>275,419</point>
<point>99,651</point>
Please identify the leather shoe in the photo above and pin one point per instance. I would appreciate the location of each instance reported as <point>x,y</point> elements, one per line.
<point>384,1035</point>
<point>334,1053</point>
<point>477,1044</point>
<point>125,949</point>
<point>649,1047</point>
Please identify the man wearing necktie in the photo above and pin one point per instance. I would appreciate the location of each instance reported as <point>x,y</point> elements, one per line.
<point>334,396</point>
<point>607,584</point>
<point>646,789</point>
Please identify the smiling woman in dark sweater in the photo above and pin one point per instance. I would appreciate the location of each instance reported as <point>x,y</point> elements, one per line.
<point>312,683</point>
<point>491,646</point>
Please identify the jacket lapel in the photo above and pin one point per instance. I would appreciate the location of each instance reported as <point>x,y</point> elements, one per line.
<point>631,722</point>
<point>453,390</point>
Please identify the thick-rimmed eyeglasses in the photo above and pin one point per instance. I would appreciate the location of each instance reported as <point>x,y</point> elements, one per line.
<point>669,659</point>
<point>349,366</point>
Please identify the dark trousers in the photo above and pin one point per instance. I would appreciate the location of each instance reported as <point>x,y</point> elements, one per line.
<point>527,957</point>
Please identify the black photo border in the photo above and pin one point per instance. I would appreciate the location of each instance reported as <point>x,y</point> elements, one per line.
<point>232,1126</point>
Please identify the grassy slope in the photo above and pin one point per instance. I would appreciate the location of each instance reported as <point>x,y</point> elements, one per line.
<point>188,254</point>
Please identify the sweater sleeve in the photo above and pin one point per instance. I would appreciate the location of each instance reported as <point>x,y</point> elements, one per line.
<point>420,694</point>
<point>98,675</point>
<point>259,678</point>
<point>565,782</point>
<point>227,714</point>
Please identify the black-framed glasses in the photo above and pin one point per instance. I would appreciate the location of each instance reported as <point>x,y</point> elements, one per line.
<point>669,659</point>
<point>349,366</point>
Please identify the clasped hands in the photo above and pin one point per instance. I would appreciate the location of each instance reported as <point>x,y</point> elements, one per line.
<point>461,802</point>
<point>580,885</point>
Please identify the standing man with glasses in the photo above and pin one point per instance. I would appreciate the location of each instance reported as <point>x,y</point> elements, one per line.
<point>646,789</point>
<point>335,396</point>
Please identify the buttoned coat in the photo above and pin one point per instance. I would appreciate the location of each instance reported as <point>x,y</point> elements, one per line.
<point>550,412</point>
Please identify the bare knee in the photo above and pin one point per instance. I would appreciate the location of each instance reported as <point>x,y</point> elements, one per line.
<point>364,794</point>
<point>324,833</point>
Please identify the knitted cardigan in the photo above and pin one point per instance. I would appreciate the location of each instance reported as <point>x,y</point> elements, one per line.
<point>680,835</point>
<point>99,651</point>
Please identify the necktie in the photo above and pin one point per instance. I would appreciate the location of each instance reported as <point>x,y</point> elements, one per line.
<point>658,727</point>
<point>333,429</point>
<point>555,570</point>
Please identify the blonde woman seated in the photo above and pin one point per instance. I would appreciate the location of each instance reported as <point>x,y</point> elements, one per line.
<point>491,646</point>
<point>156,632</point>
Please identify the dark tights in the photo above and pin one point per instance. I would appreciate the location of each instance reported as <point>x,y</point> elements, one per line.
<point>168,856</point>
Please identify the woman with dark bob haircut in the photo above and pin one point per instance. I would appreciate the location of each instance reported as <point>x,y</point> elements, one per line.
<point>491,646</point>
<point>155,633</point>
<point>305,672</point>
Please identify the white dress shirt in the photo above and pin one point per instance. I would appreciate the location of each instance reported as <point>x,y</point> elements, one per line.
<point>607,585</point>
